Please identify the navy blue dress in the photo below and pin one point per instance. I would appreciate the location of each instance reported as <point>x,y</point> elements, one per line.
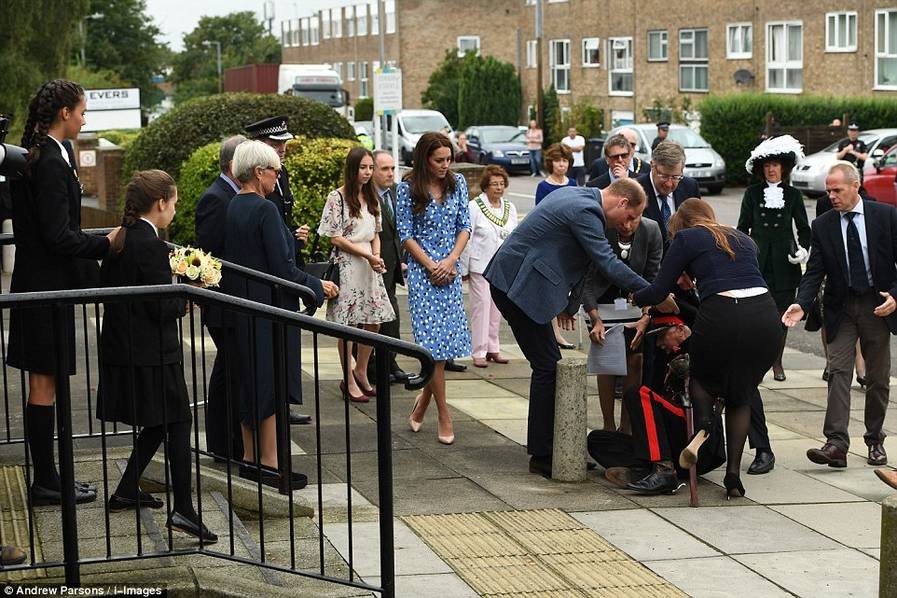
<point>438,320</point>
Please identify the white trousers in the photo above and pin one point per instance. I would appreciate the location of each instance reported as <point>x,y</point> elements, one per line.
<point>484,317</point>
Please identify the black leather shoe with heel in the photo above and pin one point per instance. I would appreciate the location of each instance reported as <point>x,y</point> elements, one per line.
<point>733,485</point>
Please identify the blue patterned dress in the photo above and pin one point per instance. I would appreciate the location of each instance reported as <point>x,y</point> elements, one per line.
<point>438,320</point>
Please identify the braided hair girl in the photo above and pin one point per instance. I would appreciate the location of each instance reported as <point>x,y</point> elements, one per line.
<point>52,253</point>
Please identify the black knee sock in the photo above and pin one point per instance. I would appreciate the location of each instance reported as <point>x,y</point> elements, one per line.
<point>147,444</point>
<point>738,420</point>
<point>41,425</point>
<point>179,459</point>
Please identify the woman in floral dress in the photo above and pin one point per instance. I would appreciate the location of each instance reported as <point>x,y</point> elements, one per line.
<point>433,222</point>
<point>351,219</point>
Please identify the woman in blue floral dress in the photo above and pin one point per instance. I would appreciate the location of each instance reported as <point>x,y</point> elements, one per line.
<point>433,222</point>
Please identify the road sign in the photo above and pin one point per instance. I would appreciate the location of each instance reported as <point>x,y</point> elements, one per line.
<point>387,91</point>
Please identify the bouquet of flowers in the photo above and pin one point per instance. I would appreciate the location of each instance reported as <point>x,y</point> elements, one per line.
<point>195,266</point>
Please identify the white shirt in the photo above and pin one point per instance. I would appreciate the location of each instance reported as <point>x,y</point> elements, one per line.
<point>578,141</point>
<point>232,184</point>
<point>660,200</point>
<point>860,221</point>
<point>155,230</point>
<point>485,235</point>
<point>65,154</point>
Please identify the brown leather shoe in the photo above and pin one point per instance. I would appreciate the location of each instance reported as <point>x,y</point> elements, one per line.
<point>888,476</point>
<point>877,455</point>
<point>621,476</point>
<point>829,455</point>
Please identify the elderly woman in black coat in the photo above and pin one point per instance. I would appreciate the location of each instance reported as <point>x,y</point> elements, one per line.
<point>256,237</point>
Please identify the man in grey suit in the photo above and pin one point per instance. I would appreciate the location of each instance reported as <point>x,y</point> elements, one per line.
<point>533,272</point>
<point>391,252</point>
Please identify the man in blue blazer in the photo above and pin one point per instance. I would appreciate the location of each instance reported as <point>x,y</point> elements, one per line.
<point>854,248</point>
<point>665,186</point>
<point>535,269</point>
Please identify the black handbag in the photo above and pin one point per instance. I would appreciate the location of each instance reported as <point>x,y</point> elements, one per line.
<point>326,269</point>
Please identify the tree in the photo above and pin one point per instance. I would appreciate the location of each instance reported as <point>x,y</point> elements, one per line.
<point>552,127</point>
<point>38,37</point>
<point>488,94</point>
<point>243,39</point>
<point>119,36</point>
<point>444,85</point>
<point>587,118</point>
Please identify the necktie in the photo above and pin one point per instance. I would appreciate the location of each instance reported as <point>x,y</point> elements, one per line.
<point>665,210</point>
<point>387,204</point>
<point>857,267</point>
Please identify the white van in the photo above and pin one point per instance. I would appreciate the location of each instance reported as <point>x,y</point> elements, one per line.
<point>413,124</point>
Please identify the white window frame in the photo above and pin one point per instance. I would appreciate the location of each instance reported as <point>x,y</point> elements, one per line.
<point>596,42</point>
<point>325,24</point>
<point>295,33</point>
<point>785,65</point>
<point>285,34</point>
<point>532,58</point>
<point>739,53</point>
<point>556,67</point>
<point>389,9</point>
<point>350,20</point>
<point>833,26</point>
<point>611,41</point>
<point>375,18</point>
<point>881,40</point>
<point>313,32</point>
<point>336,23</point>
<point>363,80</point>
<point>693,63</point>
<point>467,38</point>
<point>350,71</point>
<point>664,45</point>
<point>361,20</point>
<point>338,67</point>
<point>304,27</point>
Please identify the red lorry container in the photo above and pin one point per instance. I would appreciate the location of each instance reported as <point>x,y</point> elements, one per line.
<point>256,78</point>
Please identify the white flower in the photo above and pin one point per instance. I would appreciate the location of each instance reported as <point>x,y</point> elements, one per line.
<point>774,198</point>
<point>192,272</point>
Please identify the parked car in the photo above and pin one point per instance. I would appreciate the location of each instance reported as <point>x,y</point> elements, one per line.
<point>702,162</point>
<point>413,124</point>
<point>881,183</point>
<point>809,175</point>
<point>501,145</point>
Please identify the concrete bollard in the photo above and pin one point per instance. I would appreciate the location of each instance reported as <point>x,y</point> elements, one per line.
<point>887,576</point>
<point>9,251</point>
<point>569,452</point>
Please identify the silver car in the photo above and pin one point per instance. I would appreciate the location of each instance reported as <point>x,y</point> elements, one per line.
<point>809,175</point>
<point>702,163</point>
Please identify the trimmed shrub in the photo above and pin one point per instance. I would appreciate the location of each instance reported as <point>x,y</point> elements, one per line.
<point>732,124</point>
<point>120,137</point>
<point>489,94</point>
<point>552,127</point>
<point>364,109</point>
<point>315,168</point>
<point>171,139</point>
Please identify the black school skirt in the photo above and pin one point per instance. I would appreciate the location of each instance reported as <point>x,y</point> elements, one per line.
<point>733,344</point>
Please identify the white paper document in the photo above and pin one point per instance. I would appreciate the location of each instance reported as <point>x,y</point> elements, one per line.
<point>609,358</point>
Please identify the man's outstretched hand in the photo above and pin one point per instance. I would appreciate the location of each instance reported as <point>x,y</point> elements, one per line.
<point>792,315</point>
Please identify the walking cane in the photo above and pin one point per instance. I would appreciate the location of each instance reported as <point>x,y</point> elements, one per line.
<point>690,431</point>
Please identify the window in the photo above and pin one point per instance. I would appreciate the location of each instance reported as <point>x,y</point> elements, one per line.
<point>294,31</point>
<point>657,46</point>
<point>468,43</point>
<point>532,56</point>
<point>338,67</point>
<point>325,24</point>
<point>784,57</point>
<point>361,20</point>
<point>313,32</point>
<point>693,69</point>
<point>350,21</point>
<point>390,10</point>
<point>304,27</point>
<point>363,87</point>
<point>619,52</point>
<point>285,38</point>
<point>559,62</point>
<point>886,49</point>
<point>375,18</point>
<point>336,22</point>
<point>841,32</point>
<point>350,71</point>
<point>591,54</point>
<point>739,41</point>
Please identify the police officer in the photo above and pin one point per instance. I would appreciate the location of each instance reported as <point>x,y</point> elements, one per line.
<point>852,149</point>
<point>273,131</point>
<point>663,129</point>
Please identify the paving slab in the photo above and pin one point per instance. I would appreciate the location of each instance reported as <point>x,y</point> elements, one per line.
<point>854,525</point>
<point>508,407</point>
<point>526,491</point>
<point>811,378</point>
<point>814,573</point>
<point>449,585</point>
<point>478,388</point>
<point>857,478</point>
<point>715,577</point>
<point>645,536</point>
<point>448,495</point>
<point>783,485</point>
<point>747,529</point>
<point>512,429</point>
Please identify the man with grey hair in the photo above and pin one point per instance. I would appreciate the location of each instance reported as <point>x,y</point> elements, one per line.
<point>635,166</point>
<point>854,248</point>
<point>665,186</point>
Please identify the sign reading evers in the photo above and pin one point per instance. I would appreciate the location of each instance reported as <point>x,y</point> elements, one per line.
<point>112,99</point>
<point>387,91</point>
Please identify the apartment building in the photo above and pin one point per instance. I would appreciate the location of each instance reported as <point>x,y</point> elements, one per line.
<point>621,55</point>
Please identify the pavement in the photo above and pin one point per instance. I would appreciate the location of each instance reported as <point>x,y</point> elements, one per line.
<point>470,520</point>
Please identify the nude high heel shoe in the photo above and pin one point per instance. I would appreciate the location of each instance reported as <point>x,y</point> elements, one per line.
<point>444,438</point>
<point>415,425</point>
<point>689,455</point>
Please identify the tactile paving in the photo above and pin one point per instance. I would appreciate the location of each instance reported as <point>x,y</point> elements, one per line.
<point>540,553</point>
<point>14,522</point>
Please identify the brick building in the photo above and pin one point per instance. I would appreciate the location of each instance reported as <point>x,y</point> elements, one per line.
<point>621,55</point>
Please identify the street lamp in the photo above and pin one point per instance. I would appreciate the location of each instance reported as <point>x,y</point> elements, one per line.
<point>217,45</point>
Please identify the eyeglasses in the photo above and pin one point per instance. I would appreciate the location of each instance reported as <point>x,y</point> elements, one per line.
<point>276,170</point>
<point>669,177</point>
<point>622,156</point>
<point>498,184</point>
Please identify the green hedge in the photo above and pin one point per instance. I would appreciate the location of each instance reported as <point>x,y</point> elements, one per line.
<point>315,167</point>
<point>120,137</point>
<point>488,94</point>
<point>732,124</point>
<point>172,138</point>
<point>364,109</point>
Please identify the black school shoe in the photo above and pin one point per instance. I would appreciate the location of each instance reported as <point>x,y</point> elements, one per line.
<point>270,477</point>
<point>41,496</point>
<point>184,524</point>
<point>147,501</point>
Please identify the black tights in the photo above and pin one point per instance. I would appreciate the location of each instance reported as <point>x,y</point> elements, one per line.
<point>147,444</point>
<point>738,422</point>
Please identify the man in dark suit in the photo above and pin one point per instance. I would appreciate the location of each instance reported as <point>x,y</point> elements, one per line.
<point>665,186</point>
<point>273,131</point>
<point>636,167</point>
<point>391,252</point>
<point>620,162</point>
<point>533,272</point>
<point>854,248</point>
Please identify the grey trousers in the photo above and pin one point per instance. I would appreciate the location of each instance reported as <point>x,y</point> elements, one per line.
<point>858,323</point>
